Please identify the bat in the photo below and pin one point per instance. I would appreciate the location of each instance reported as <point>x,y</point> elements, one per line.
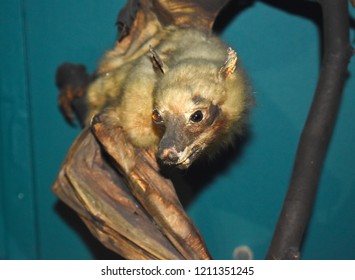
<point>185,96</point>
<point>169,89</point>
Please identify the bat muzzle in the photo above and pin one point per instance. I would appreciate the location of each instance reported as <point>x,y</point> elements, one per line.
<point>181,160</point>
<point>168,155</point>
<point>178,146</point>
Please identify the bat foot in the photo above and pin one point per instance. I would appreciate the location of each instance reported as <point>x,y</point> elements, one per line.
<point>72,81</point>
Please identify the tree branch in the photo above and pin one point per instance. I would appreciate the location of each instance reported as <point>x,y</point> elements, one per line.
<point>316,133</point>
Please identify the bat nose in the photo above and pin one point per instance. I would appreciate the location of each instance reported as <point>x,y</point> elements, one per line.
<point>168,155</point>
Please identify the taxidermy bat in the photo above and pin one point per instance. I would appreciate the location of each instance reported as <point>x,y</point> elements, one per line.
<point>169,89</point>
<point>185,96</point>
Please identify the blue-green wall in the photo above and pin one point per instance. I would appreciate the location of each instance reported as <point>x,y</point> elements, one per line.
<point>239,205</point>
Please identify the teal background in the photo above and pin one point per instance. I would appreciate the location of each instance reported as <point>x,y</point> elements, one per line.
<point>236,205</point>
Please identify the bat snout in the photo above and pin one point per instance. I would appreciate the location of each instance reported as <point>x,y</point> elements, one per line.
<point>168,155</point>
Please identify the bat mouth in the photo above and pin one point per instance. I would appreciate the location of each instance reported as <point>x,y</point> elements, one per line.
<point>188,159</point>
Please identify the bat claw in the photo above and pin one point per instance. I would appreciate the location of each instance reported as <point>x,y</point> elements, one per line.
<point>72,80</point>
<point>95,120</point>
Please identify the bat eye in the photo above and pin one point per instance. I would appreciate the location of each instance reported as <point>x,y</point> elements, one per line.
<point>156,117</point>
<point>196,117</point>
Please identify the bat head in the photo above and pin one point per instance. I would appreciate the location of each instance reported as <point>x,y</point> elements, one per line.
<point>198,105</point>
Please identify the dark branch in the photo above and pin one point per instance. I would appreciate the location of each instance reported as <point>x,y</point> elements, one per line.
<point>316,133</point>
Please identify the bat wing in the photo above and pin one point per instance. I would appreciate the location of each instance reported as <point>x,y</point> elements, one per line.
<point>90,186</point>
<point>199,14</point>
<point>139,215</point>
<point>140,24</point>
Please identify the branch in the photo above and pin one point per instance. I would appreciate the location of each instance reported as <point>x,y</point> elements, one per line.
<point>316,133</point>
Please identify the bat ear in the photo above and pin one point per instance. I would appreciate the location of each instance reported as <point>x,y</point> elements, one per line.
<point>229,66</point>
<point>158,65</point>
